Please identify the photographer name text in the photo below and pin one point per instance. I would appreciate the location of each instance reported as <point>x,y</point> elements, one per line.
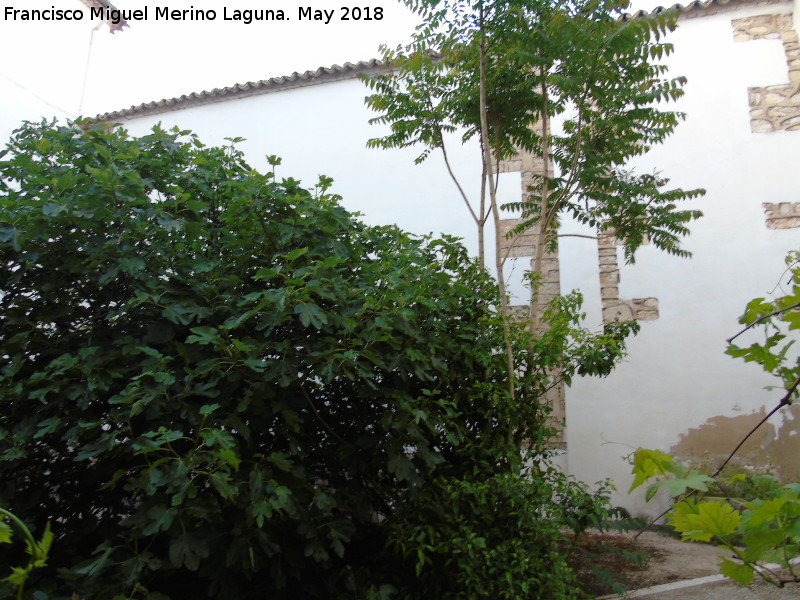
<point>165,13</point>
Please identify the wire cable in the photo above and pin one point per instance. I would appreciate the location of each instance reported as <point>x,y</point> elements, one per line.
<point>37,96</point>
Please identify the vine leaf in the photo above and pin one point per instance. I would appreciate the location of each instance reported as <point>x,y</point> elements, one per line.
<point>5,533</point>
<point>704,521</point>
<point>738,572</point>
<point>650,463</point>
<point>678,486</point>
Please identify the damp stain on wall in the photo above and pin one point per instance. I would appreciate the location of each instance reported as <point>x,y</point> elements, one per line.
<point>774,448</point>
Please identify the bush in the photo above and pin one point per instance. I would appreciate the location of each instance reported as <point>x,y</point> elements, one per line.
<point>217,384</point>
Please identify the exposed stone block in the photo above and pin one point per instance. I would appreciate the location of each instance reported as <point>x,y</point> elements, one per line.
<point>775,97</point>
<point>783,215</point>
<point>645,309</point>
<point>761,27</point>
<point>792,123</point>
<point>646,315</point>
<point>617,312</point>
<point>761,126</point>
<point>549,287</point>
<point>609,277</point>
<point>523,245</point>
<point>776,107</point>
<point>608,293</point>
<point>519,312</point>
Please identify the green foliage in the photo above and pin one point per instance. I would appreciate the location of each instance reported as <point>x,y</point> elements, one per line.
<point>588,516</point>
<point>704,521</point>
<point>778,320</point>
<point>761,530</point>
<point>478,539</point>
<point>38,551</point>
<point>501,72</point>
<point>743,487</point>
<point>218,384</point>
<point>537,60</point>
<point>675,478</point>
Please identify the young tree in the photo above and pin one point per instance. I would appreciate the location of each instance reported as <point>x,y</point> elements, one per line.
<point>572,83</point>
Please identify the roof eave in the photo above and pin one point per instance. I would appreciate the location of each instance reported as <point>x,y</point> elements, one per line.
<point>698,8</point>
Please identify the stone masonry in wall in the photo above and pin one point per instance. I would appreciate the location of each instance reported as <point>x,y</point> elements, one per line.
<point>773,107</point>
<point>614,307</point>
<point>782,215</point>
<point>524,246</point>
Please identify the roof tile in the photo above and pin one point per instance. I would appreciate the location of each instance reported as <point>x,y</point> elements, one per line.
<point>351,70</point>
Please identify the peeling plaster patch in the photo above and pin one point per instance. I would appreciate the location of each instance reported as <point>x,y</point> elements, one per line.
<point>774,107</point>
<point>773,449</point>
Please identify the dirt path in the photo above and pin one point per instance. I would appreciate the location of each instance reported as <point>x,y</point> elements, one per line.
<point>668,560</point>
<point>673,560</point>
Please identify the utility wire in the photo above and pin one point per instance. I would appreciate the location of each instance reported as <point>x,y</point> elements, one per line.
<point>88,62</point>
<point>37,96</point>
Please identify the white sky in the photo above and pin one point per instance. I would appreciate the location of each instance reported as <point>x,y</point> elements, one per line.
<point>43,65</point>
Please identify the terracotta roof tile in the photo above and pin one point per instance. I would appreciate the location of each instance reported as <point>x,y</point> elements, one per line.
<point>351,70</point>
<point>700,8</point>
<point>243,90</point>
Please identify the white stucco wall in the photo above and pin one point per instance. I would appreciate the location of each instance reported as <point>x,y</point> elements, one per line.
<point>676,377</point>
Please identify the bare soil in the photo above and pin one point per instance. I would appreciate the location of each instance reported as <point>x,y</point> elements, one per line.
<point>654,558</point>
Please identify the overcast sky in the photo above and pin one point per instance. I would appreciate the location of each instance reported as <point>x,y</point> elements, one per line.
<point>58,68</point>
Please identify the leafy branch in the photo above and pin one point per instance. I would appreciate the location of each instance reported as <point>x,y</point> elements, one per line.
<point>37,550</point>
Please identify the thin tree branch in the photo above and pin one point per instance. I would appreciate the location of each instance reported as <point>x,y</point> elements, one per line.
<point>785,401</point>
<point>544,225</point>
<point>577,235</point>
<point>487,161</point>
<point>496,123</point>
<point>483,187</point>
<point>560,235</point>
<point>579,139</point>
<point>509,248</point>
<point>455,180</point>
<point>578,143</point>
<point>764,318</point>
<point>319,417</point>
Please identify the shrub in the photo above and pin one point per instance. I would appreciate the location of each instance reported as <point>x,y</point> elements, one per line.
<point>217,384</point>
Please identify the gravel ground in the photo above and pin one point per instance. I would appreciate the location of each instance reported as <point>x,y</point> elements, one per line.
<point>722,590</point>
<point>674,564</point>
